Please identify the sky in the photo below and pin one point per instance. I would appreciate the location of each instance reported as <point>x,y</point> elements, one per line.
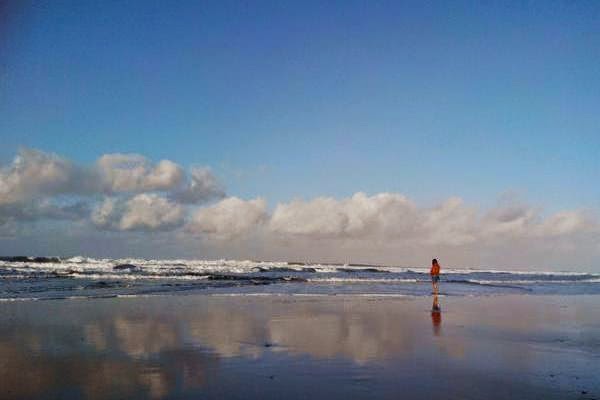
<point>341,131</point>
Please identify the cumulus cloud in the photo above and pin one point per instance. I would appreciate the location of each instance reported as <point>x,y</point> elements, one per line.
<point>151,212</point>
<point>229,218</point>
<point>526,222</point>
<point>35,185</point>
<point>108,213</point>
<point>34,173</point>
<point>135,173</point>
<point>565,223</point>
<point>390,219</point>
<point>356,217</point>
<point>145,212</point>
<point>202,186</point>
<point>382,217</point>
<point>451,223</point>
<point>128,192</point>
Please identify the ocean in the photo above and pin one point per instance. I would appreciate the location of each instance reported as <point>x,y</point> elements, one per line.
<point>46,278</point>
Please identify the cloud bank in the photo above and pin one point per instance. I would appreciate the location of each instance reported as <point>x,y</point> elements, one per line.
<point>388,218</point>
<point>144,195</point>
<point>119,193</point>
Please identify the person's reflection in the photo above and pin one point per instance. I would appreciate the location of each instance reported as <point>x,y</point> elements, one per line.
<point>436,316</point>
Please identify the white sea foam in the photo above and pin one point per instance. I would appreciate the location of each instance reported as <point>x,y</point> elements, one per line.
<point>363,280</point>
<point>92,268</point>
<point>531,281</point>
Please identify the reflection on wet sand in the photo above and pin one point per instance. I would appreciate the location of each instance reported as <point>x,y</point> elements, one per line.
<point>361,333</point>
<point>124,357</point>
<point>436,315</point>
<point>155,348</point>
<point>97,376</point>
<point>105,352</point>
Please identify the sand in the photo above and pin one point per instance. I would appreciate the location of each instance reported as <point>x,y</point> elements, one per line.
<point>301,347</point>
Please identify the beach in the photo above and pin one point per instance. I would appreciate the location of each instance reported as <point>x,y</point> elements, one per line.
<point>271,346</point>
<point>309,200</point>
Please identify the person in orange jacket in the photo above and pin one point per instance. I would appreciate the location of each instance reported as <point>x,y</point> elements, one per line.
<point>435,275</point>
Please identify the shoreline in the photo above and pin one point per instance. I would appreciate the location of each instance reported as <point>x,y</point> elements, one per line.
<point>275,295</point>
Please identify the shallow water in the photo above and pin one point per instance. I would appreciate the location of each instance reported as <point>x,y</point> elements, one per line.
<point>25,278</point>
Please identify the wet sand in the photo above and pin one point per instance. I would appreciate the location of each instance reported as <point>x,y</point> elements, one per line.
<point>295,347</point>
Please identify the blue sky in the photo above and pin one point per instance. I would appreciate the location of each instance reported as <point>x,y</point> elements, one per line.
<point>428,99</point>
<point>292,100</point>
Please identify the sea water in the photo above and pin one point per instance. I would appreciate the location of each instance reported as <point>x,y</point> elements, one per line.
<point>24,278</point>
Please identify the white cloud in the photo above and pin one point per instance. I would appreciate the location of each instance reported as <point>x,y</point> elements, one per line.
<point>321,217</point>
<point>229,218</point>
<point>382,217</point>
<point>360,216</point>
<point>565,223</point>
<point>146,212</point>
<point>151,212</point>
<point>392,218</point>
<point>147,196</point>
<point>386,223</point>
<point>135,173</point>
<point>509,221</point>
<point>107,214</point>
<point>34,173</point>
<point>202,186</point>
<point>522,222</point>
<point>451,223</point>
<point>39,185</point>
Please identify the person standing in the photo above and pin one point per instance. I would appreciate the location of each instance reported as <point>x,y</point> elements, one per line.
<point>435,282</point>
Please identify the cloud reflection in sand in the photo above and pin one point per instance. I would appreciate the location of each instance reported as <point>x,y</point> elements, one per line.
<point>152,348</point>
